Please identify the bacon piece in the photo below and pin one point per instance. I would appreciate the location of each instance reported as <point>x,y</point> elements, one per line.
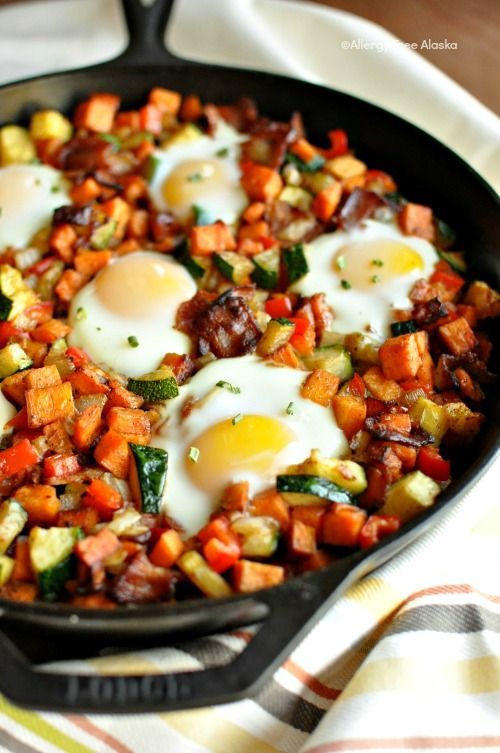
<point>360,205</point>
<point>143,583</point>
<point>227,328</point>
<point>418,438</point>
<point>188,312</point>
<point>84,155</point>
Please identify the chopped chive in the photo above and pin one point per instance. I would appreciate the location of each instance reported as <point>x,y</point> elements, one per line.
<point>195,178</point>
<point>194,454</point>
<point>98,329</point>
<point>55,189</point>
<point>341,262</point>
<point>228,386</point>
<point>377,262</point>
<point>222,152</point>
<point>375,278</point>
<point>290,409</point>
<point>38,182</point>
<point>81,314</point>
<point>346,284</point>
<point>1,210</point>
<point>133,341</point>
<point>236,419</point>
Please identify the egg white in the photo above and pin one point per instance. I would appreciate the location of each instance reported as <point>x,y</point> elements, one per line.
<point>28,196</point>
<point>265,390</point>
<point>103,331</point>
<point>220,197</point>
<point>368,309</point>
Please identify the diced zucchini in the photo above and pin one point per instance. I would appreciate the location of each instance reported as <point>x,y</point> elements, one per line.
<point>103,235</point>
<point>297,197</point>
<point>13,287</point>
<point>6,568</point>
<point>50,124</point>
<point>455,259</point>
<point>51,546</point>
<point>156,386</point>
<point>431,417</point>
<point>267,265</point>
<point>233,266</point>
<point>316,182</point>
<point>51,581</point>
<point>260,535</point>
<point>316,163</point>
<point>16,146</point>
<point>197,266</point>
<point>203,576</point>
<point>332,358</point>
<point>362,348</point>
<point>50,555</point>
<point>13,518</point>
<point>297,229</point>
<point>277,333</point>
<point>48,280</point>
<point>295,262</point>
<point>303,489</point>
<point>410,496</point>
<point>445,237</point>
<point>345,473</point>
<point>5,307</point>
<point>13,359</point>
<point>148,475</point>
<point>184,135</point>
<point>403,328</point>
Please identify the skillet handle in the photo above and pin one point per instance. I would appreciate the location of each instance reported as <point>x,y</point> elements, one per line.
<point>146,27</point>
<point>291,608</point>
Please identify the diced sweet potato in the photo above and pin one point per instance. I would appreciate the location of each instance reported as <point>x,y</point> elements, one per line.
<point>46,376</point>
<point>400,357</point>
<point>341,525</point>
<point>40,502</point>
<point>48,404</point>
<point>301,539</point>
<point>271,504</point>
<point>457,336</point>
<point>381,387</point>
<point>131,423</point>
<point>251,576</point>
<point>320,387</point>
<point>97,113</point>
<point>350,413</point>
<point>113,453</point>
<point>261,183</point>
<point>87,426</point>
<point>205,239</point>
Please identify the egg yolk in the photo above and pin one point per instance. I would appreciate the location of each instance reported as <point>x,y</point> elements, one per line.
<point>140,284</point>
<point>377,261</point>
<point>191,181</point>
<point>250,444</point>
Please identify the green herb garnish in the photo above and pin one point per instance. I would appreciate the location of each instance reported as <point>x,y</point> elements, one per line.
<point>290,409</point>
<point>341,262</point>
<point>195,178</point>
<point>346,284</point>
<point>228,386</point>
<point>81,314</point>
<point>222,152</point>
<point>377,262</point>
<point>375,278</point>
<point>133,341</point>
<point>236,419</point>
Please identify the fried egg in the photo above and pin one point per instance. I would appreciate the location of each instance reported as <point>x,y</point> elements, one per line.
<point>202,173</point>
<point>365,274</point>
<point>249,428</point>
<point>124,318</point>
<point>28,196</point>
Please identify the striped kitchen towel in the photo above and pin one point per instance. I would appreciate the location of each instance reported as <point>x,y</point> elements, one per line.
<point>408,659</point>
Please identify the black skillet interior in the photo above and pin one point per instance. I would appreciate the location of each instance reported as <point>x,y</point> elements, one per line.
<point>426,171</point>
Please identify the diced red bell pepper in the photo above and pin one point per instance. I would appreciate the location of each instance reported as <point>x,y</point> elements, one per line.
<point>78,356</point>
<point>446,276</point>
<point>356,386</point>
<point>17,458</point>
<point>41,266</point>
<point>60,466</point>
<point>221,555</point>
<point>8,330</point>
<point>278,307</point>
<point>374,406</point>
<point>217,528</point>
<point>430,462</point>
<point>103,498</point>
<point>301,324</point>
<point>339,143</point>
<point>376,528</point>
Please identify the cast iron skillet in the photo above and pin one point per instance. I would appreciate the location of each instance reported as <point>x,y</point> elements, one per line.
<point>426,171</point>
